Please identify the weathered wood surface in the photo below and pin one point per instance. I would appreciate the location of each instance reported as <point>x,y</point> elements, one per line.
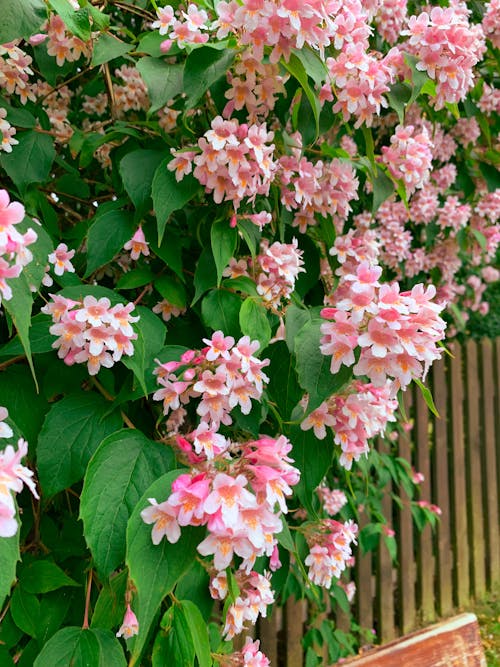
<point>452,643</point>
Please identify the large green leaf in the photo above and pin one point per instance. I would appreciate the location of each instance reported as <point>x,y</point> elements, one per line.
<point>297,70</point>
<point>283,387</point>
<point>223,239</point>
<point>20,19</point>
<point>137,170</point>
<point>150,339</point>
<point>169,195</point>
<point>254,322</point>
<point>26,407</point>
<point>71,433</point>
<point>163,80</point>
<point>107,236</point>
<point>9,555</point>
<point>199,632</point>
<point>107,47</point>
<point>313,368</point>
<point>43,576</point>
<point>31,159</point>
<point>110,606</point>
<point>123,467</point>
<point>156,569</point>
<point>77,647</point>
<point>220,311</point>
<point>25,610</point>
<point>204,66</point>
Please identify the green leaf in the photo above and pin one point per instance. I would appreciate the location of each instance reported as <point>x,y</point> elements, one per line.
<point>25,610</point>
<point>220,311</point>
<point>150,339</point>
<point>43,576</point>
<point>490,174</point>
<point>204,66</point>
<point>194,586</point>
<point>107,236</point>
<point>398,97</point>
<point>53,610</point>
<point>99,20</point>
<point>205,275</point>
<point>21,19</point>
<point>285,536</point>
<point>125,464</point>
<point>169,195</point>
<point>383,187</point>
<point>76,21</point>
<point>241,284</point>
<point>20,305</point>
<point>172,290</point>
<point>199,632</point>
<point>418,77</point>
<point>223,239</point>
<point>107,47</point>
<point>297,70</point>
<point>110,606</point>
<point>170,252</point>
<point>179,639</point>
<point>283,387</point>
<point>313,65</point>
<point>313,368</point>
<point>427,396</point>
<point>77,647</point>
<point>163,80</point>
<point>150,44</point>
<point>31,159</point>
<point>156,569</point>
<point>9,555</point>
<point>71,433</point>
<point>480,238</point>
<point>26,407</point>
<point>137,170</point>
<point>136,278</point>
<point>313,458</point>
<point>254,322</point>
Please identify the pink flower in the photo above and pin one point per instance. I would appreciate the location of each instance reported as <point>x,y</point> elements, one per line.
<point>137,244</point>
<point>130,625</point>
<point>60,258</point>
<point>164,518</point>
<point>8,523</point>
<point>229,495</point>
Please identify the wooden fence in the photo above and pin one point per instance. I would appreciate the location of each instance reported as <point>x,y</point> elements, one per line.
<point>440,572</point>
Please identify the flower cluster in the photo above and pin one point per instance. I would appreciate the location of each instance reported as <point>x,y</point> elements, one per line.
<point>275,271</point>
<point>236,161</point>
<point>13,476</point>
<point>15,70</point>
<point>491,22</point>
<point>239,496</point>
<point>448,48</point>
<point>397,331</point>
<point>249,656</point>
<point>307,188</point>
<point>224,374</point>
<point>91,331</point>
<point>409,156</point>
<point>390,19</point>
<point>7,132</point>
<point>333,500</point>
<point>185,29</point>
<point>358,414</point>
<point>14,253</point>
<point>61,44</point>
<point>329,550</point>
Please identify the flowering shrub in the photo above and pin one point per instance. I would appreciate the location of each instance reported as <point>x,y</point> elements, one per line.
<point>267,213</point>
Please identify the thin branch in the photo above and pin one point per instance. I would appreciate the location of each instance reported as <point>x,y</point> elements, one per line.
<point>14,360</point>
<point>87,602</point>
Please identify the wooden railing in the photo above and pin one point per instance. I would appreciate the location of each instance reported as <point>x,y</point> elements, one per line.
<point>440,572</point>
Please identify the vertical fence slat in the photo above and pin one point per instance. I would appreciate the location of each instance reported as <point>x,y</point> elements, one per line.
<point>364,589</point>
<point>473,468</point>
<point>385,585</point>
<point>293,631</point>
<point>268,635</point>
<point>406,569</point>
<point>490,463</point>
<point>441,491</point>
<point>425,562</point>
<point>458,487</point>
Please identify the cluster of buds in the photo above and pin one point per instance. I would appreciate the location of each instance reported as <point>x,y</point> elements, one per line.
<point>329,550</point>
<point>355,416</point>
<point>236,161</point>
<point>307,188</point>
<point>91,331</point>
<point>14,253</point>
<point>13,476</point>
<point>448,47</point>
<point>409,156</point>
<point>397,332</point>
<point>239,493</point>
<point>275,271</point>
<point>224,374</point>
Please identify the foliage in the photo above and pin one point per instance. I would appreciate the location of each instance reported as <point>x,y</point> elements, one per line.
<point>229,239</point>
